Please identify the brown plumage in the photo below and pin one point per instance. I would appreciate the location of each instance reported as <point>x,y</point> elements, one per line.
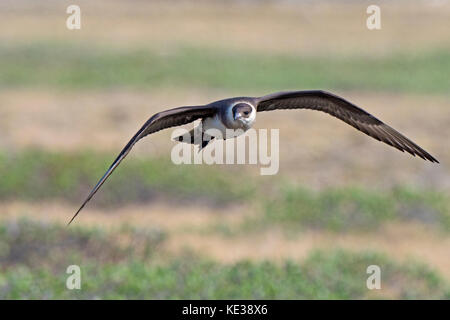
<point>161,120</point>
<point>345,111</point>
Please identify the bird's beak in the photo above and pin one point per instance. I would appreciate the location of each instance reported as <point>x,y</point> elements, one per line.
<point>237,116</point>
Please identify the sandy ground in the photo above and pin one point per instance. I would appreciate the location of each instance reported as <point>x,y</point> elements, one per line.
<point>310,28</point>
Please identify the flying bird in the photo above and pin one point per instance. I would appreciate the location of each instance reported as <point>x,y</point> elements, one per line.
<point>240,114</point>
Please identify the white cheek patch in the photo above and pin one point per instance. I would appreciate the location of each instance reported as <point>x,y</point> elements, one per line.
<point>252,115</point>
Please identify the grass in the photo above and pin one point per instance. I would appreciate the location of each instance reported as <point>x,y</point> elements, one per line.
<point>34,244</point>
<point>118,273</point>
<point>347,209</point>
<point>81,66</point>
<point>37,175</point>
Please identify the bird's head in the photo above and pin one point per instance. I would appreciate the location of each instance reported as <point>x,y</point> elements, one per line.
<point>243,114</point>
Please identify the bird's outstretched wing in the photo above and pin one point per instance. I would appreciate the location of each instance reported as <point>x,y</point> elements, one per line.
<point>160,121</point>
<point>345,111</point>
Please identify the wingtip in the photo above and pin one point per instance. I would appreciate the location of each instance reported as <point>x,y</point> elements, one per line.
<point>429,157</point>
<point>76,214</point>
<point>68,224</point>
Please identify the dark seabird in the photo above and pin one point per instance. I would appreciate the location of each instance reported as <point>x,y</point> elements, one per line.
<point>240,113</point>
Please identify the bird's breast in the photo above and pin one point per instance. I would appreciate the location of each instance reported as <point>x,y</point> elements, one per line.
<point>217,124</point>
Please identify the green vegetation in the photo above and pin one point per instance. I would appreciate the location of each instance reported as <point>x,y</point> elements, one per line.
<point>37,175</point>
<point>116,269</point>
<point>347,209</point>
<point>36,244</point>
<point>64,65</point>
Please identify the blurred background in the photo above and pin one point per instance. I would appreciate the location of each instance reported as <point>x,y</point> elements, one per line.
<point>71,99</point>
